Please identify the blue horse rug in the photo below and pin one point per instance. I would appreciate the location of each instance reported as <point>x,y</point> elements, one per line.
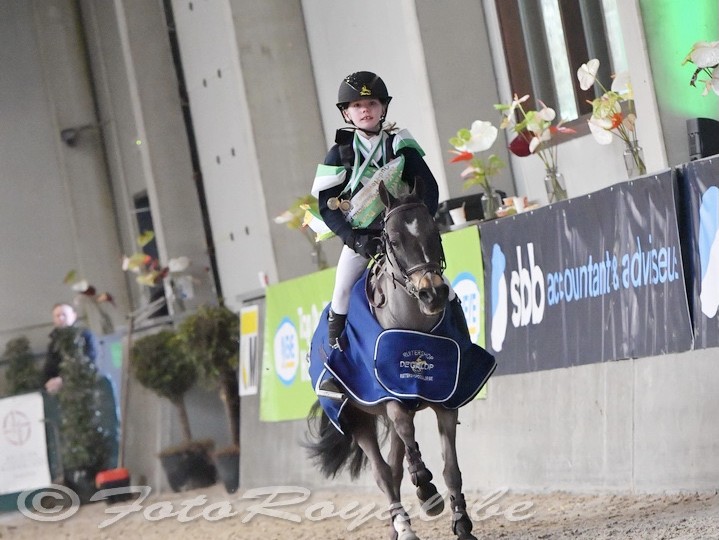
<point>376,365</point>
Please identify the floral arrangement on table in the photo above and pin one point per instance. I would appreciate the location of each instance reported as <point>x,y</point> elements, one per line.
<point>705,56</point>
<point>533,137</point>
<point>609,119</point>
<point>151,273</point>
<point>468,143</point>
<point>148,269</point>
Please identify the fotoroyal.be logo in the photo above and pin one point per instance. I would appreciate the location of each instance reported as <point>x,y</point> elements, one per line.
<point>526,292</point>
<point>709,251</point>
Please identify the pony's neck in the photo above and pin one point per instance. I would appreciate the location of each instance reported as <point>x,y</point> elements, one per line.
<point>399,309</point>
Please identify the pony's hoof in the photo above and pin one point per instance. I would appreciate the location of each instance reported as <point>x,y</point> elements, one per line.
<point>433,505</point>
<point>432,501</point>
<point>462,527</point>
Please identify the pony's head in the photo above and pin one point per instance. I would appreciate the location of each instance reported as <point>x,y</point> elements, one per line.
<point>413,248</point>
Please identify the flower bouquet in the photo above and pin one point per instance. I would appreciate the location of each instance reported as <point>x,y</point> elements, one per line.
<point>468,143</point>
<point>609,118</point>
<point>534,134</point>
<point>148,269</point>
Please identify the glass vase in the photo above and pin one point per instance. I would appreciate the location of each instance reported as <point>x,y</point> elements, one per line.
<point>634,159</point>
<point>490,205</point>
<point>554,184</point>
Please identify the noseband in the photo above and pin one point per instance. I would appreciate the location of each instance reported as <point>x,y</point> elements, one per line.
<point>392,261</point>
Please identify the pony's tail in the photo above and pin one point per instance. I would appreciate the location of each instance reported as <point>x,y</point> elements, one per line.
<point>331,450</point>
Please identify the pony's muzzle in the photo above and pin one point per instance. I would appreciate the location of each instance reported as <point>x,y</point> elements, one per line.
<point>433,293</point>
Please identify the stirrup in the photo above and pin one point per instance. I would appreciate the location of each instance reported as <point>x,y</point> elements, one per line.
<point>334,396</point>
<point>330,389</point>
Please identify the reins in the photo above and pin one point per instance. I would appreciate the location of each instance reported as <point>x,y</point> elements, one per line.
<point>391,260</point>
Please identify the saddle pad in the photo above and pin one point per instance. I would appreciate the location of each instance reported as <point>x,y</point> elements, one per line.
<point>411,364</point>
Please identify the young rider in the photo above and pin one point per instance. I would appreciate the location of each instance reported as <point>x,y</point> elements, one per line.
<point>359,151</point>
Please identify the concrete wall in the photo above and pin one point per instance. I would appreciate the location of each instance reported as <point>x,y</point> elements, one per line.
<point>637,425</point>
<point>632,425</point>
<point>56,211</point>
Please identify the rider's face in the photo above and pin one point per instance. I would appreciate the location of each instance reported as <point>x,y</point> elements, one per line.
<point>366,114</point>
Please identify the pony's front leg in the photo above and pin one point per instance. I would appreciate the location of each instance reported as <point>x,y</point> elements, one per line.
<point>403,423</point>
<point>366,438</point>
<point>447,424</point>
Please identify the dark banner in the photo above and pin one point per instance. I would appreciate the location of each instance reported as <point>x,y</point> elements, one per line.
<point>700,190</point>
<point>587,280</point>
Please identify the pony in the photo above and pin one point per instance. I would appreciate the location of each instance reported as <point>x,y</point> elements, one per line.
<point>407,290</point>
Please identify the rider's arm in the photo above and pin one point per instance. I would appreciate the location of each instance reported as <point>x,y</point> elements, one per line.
<point>335,219</point>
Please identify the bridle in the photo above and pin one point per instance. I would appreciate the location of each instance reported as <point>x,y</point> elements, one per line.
<point>393,265</point>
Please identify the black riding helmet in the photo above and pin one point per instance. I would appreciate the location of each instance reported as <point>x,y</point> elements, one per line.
<point>361,85</point>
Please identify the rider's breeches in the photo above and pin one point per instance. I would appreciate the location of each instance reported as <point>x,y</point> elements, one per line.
<point>349,268</point>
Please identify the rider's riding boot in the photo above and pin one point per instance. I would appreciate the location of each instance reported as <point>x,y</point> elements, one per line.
<point>458,315</point>
<point>335,325</point>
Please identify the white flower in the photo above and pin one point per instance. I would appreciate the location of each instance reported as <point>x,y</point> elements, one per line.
<point>587,74</point>
<point>600,128</point>
<point>711,84</point>
<point>81,286</point>
<point>284,217</point>
<point>178,264</point>
<point>705,54</point>
<point>516,102</point>
<point>483,136</point>
<point>546,113</point>
<point>622,85</point>
<point>539,139</point>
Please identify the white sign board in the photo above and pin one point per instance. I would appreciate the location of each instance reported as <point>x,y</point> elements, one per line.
<point>23,447</point>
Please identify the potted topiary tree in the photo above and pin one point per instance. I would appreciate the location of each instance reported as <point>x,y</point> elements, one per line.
<point>22,374</point>
<point>84,444</point>
<point>210,337</point>
<point>160,364</point>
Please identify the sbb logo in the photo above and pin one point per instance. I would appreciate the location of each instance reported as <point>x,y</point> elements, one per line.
<point>526,292</point>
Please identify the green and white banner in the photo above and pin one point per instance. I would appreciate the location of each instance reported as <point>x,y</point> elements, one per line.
<point>293,309</point>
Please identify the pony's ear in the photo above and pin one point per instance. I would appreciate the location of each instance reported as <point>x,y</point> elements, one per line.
<point>385,196</point>
<point>418,188</point>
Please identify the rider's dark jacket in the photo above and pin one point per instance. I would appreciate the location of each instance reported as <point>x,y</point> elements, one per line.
<point>342,154</point>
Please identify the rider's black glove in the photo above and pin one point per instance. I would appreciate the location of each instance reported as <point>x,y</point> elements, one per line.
<point>366,242</point>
